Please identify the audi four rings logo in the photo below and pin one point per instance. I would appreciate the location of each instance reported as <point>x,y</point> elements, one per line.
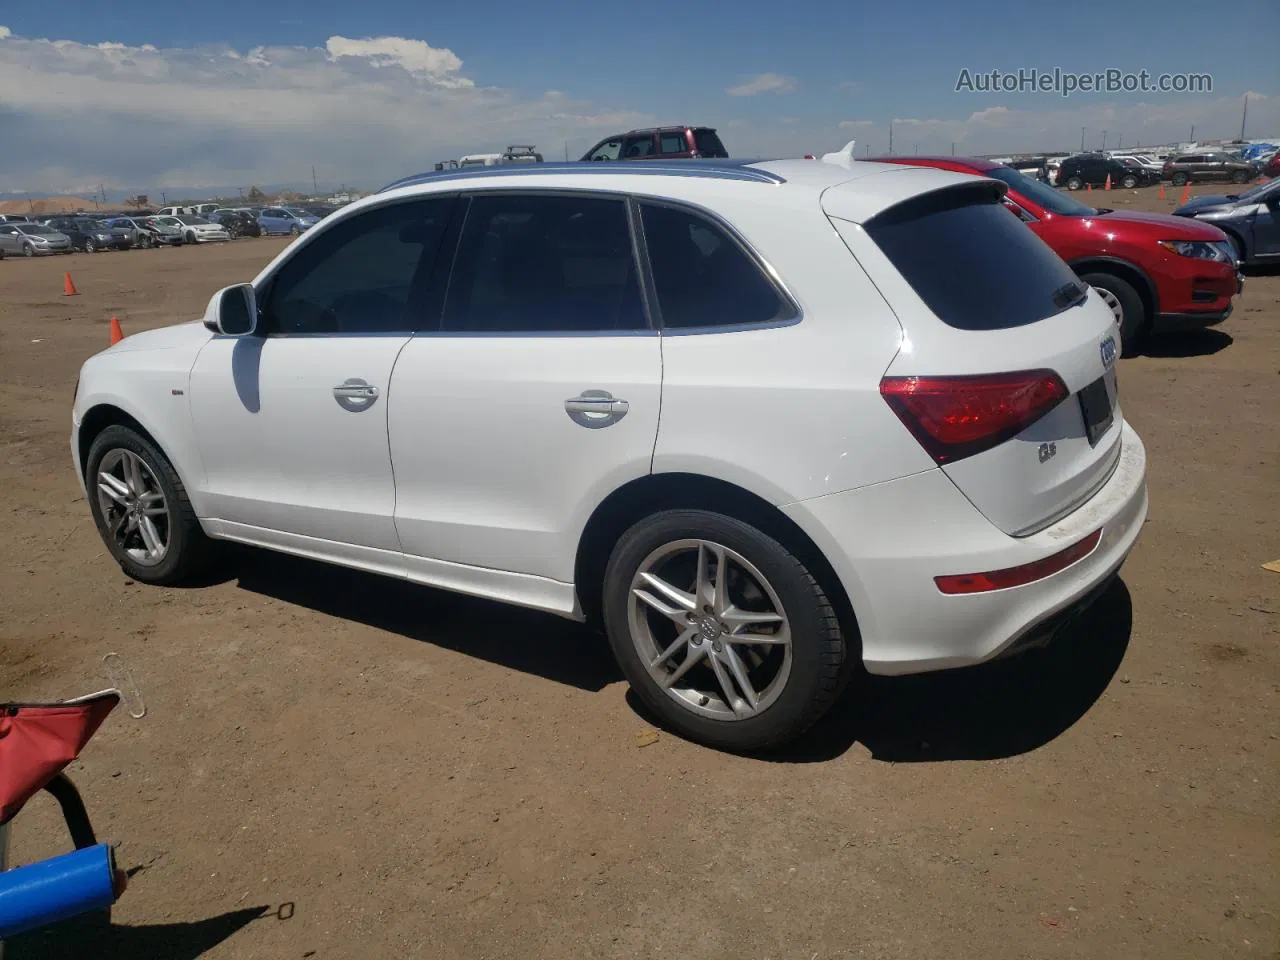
<point>1108,352</point>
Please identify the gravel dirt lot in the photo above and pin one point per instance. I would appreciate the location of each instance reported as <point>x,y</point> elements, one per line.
<point>337,766</point>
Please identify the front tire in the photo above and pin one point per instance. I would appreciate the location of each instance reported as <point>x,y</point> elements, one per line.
<point>1239,177</point>
<point>1179,179</point>
<point>294,231</point>
<point>90,246</point>
<point>1074,183</point>
<point>1129,182</point>
<point>28,250</point>
<point>722,633</point>
<point>141,509</point>
<point>1126,305</point>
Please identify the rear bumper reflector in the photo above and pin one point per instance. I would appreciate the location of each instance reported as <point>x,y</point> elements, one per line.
<point>960,583</point>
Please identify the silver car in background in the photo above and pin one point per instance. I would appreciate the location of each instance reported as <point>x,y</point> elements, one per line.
<point>32,239</point>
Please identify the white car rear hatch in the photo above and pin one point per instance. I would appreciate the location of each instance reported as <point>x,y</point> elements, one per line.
<point>1006,372</point>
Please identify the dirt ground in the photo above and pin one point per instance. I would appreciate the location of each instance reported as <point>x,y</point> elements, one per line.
<point>337,766</point>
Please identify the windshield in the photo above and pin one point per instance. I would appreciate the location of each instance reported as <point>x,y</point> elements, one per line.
<point>89,225</point>
<point>1041,193</point>
<point>35,229</point>
<point>191,221</point>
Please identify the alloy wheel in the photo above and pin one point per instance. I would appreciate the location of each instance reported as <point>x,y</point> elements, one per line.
<point>710,629</point>
<point>1112,301</point>
<point>133,507</point>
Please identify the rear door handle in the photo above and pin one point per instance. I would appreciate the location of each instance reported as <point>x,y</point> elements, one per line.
<point>596,408</point>
<point>355,394</point>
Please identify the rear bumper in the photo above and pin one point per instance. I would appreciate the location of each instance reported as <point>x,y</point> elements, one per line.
<point>888,541</point>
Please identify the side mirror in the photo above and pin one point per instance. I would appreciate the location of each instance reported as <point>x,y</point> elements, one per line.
<point>233,311</point>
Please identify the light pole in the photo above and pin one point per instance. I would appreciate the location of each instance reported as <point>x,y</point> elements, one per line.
<point>1082,139</point>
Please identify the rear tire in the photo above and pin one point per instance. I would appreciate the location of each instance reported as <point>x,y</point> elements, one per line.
<point>1123,299</point>
<point>145,484</point>
<point>1074,183</point>
<point>1239,177</point>
<point>793,681</point>
<point>1179,179</point>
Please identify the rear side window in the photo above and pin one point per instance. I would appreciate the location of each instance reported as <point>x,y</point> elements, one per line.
<point>974,266</point>
<point>674,142</point>
<point>702,277</point>
<point>709,144</point>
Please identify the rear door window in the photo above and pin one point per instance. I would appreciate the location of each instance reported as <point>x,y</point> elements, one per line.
<point>974,266</point>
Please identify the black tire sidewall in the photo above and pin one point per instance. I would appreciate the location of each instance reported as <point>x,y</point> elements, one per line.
<point>1133,328</point>
<point>1129,182</point>
<point>1074,183</point>
<point>180,535</point>
<point>1179,179</point>
<point>813,669</point>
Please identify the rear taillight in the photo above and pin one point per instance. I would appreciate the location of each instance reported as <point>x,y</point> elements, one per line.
<point>956,417</point>
<point>1018,576</point>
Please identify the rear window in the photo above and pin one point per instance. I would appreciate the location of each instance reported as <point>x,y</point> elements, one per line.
<point>975,266</point>
<point>709,144</point>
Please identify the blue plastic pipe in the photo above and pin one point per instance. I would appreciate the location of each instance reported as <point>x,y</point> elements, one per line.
<point>41,893</point>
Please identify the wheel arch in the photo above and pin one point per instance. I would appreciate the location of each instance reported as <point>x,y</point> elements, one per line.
<point>106,413</point>
<point>1242,242</point>
<point>671,491</point>
<point>1124,270</point>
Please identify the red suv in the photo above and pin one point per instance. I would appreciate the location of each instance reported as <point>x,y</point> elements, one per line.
<point>1156,272</point>
<point>659,143</point>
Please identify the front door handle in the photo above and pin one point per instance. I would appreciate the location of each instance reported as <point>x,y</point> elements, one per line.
<point>354,394</point>
<point>596,408</point>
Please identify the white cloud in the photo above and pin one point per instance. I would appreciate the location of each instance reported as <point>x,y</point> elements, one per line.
<point>764,83</point>
<point>414,56</point>
<point>367,110</point>
<point>5,32</point>
<point>855,124</point>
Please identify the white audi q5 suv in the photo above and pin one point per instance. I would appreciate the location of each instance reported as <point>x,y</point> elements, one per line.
<point>763,421</point>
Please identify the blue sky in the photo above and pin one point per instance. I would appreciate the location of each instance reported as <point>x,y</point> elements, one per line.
<point>449,78</point>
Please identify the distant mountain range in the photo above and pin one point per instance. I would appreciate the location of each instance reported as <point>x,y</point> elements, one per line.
<point>160,196</point>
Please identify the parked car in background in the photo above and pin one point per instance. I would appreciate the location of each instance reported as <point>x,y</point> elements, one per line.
<point>659,143</point>
<point>1155,272</point>
<point>741,561</point>
<point>1144,160</point>
<point>285,220</point>
<point>197,229</point>
<point>91,235</point>
<point>14,218</point>
<point>1201,167</point>
<point>142,235</point>
<point>239,223</point>
<point>1251,221</point>
<point>317,210</point>
<point>1093,169</point>
<point>33,239</point>
<point>1271,166</point>
<point>168,232</point>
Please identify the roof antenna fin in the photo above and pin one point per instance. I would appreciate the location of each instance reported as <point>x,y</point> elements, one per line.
<point>843,157</point>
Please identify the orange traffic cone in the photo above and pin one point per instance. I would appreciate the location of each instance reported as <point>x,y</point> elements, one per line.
<point>1161,194</point>
<point>1186,194</point>
<point>1107,186</point>
<point>69,288</point>
<point>116,333</point>
<point>1088,188</point>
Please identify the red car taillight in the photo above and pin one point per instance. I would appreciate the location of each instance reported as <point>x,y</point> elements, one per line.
<point>956,417</point>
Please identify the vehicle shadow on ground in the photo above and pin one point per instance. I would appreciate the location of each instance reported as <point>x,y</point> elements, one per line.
<point>996,710</point>
<point>1190,343</point>
<point>95,936</point>
<point>526,640</point>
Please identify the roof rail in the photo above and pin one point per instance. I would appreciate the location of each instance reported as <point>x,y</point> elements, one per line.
<point>709,169</point>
